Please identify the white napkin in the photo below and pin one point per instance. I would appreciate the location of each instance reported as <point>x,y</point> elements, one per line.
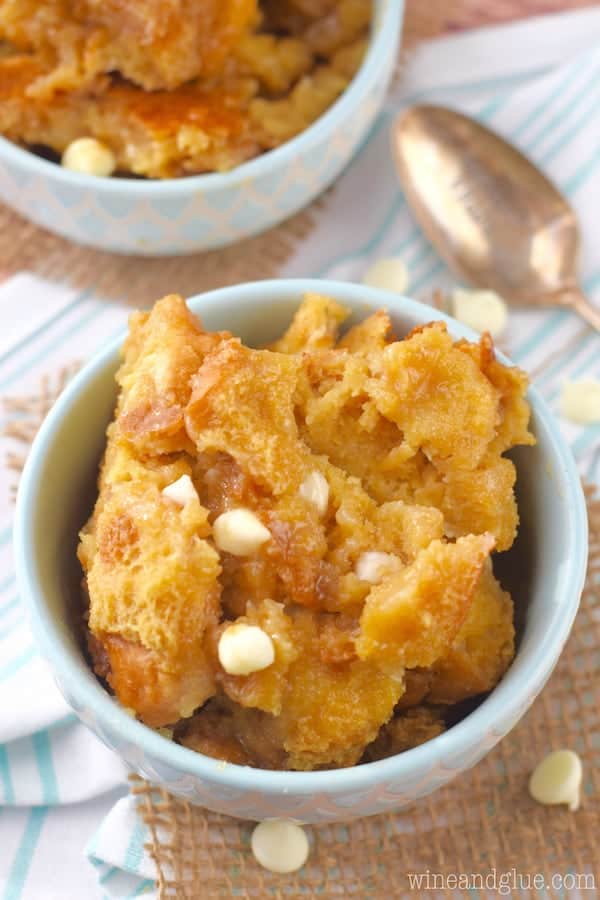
<point>536,82</point>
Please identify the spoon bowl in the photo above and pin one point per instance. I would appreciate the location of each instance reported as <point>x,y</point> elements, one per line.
<point>490,213</point>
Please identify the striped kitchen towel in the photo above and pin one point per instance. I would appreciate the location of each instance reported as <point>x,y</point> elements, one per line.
<point>62,793</point>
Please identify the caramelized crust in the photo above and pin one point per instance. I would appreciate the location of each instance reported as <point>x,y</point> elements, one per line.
<point>161,355</point>
<point>157,44</point>
<point>161,134</point>
<point>145,681</point>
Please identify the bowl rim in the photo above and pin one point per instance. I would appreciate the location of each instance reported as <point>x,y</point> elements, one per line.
<point>381,47</point>
<point>506,703</point>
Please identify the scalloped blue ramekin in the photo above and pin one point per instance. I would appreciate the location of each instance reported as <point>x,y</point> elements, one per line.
<point>56,495</point>
<point>200,212</point>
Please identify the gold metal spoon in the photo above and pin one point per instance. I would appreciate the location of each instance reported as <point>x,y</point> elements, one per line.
<point>488,211</point>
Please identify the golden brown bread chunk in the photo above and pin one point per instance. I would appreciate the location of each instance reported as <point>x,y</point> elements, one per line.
<point>151,575</point>
<point>483,496</point>
<point>160,134</point>
<point>227,414</point>
<point>314,326</point>
<point>412,617</point>
<point>293,16</point>
<point>483,648</point>
<point>235,734</point>
<point>162,353</point>
<point>368,336</point>
<point>358,652</point>
<point>157,44</point>
<point>330,711</point>
<point>511,383</point>
<point>152,579</point>
<point>426,386</point>
<point>424,420</point>
<point>32,122</point>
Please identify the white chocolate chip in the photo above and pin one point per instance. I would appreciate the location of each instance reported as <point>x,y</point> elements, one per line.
<point>90,157</point>
<point>557,779</point>
<point>181,491</point>
<point>244,649</point>
<point>239,532</point>
<point>387,274</point>
<point>315,489</point>
<point>480,310</point>
<point>580,401</point>
<point>280,845</point>
<point>373,565</point>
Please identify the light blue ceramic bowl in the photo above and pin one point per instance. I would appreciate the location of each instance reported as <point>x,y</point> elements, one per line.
<point>56,495</point>
<point>184,215</point>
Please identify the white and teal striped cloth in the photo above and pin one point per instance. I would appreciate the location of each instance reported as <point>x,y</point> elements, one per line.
<point>67,827</point>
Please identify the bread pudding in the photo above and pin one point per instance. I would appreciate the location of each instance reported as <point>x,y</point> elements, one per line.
<point>290,561</point>
<point>174,87</point>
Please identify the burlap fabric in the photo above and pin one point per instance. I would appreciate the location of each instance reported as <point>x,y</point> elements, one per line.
<point>483,826</point>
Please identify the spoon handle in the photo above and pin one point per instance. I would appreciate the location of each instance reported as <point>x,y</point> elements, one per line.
<point>576,299</point>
